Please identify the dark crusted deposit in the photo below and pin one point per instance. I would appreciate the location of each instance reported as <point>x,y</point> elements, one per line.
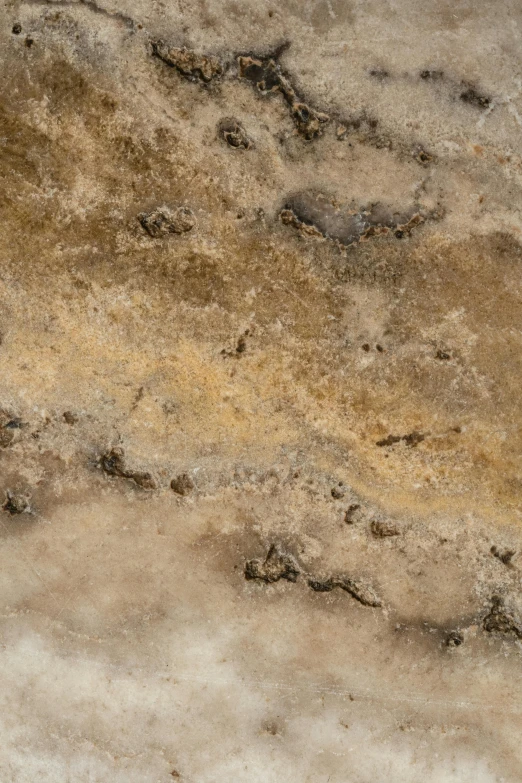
<point>276,565</point>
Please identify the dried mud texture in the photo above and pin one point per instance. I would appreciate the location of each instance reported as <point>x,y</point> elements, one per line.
<point>164,221</point>
<point>260,427</point>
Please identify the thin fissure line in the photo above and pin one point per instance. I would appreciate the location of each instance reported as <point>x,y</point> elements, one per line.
<point>313,688</point>
<point>91,5</point>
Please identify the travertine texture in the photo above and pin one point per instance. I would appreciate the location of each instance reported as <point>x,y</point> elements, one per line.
<point>260,430</point>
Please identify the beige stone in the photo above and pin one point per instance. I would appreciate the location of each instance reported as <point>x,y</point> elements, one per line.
<point>321,330</point>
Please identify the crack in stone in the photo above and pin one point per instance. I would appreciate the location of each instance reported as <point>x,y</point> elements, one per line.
<point>113,463</point>
<point>276,565</point>
<point>233,133</point>
<point>190,64</point>
<point>316,216</point>
<point>89,4</point>
<point>281,565</point>
<point>16,504</point>
<point>500,620</point>
<point>361,591</point>
<point>412,439</point>
<point>162,221</point>
<point>267,76</point>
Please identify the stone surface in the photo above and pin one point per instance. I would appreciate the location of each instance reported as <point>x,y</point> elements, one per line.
<point>260,429</point>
